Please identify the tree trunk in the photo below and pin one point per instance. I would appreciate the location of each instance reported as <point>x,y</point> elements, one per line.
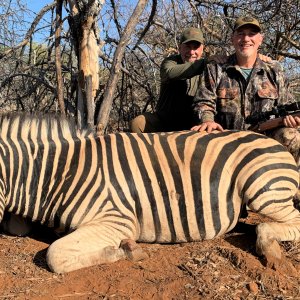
<point>83,24</point>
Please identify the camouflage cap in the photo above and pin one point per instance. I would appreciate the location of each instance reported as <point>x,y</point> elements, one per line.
<point>192,34</point>
<point>246,20</point>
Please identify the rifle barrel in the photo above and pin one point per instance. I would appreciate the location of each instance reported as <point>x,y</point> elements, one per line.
<point>273,123</point>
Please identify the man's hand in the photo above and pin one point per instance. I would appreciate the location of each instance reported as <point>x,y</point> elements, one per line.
<point>208,126</point>
<point>290,121</point>
<point>264,58</point>
<point>218,58</point>
<point>221,59</point>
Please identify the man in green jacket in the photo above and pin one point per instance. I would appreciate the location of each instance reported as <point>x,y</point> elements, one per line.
<point>179,82</point>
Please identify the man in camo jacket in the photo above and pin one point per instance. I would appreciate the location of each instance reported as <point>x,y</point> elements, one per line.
<point>244,86</point>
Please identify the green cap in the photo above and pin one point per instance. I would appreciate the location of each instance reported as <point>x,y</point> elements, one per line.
<point>192,34</point>
<point>246,20</point>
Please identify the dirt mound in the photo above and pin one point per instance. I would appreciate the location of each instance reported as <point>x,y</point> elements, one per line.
<point>224,268</point>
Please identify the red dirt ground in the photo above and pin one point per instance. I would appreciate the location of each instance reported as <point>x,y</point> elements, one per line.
<point>225,268</point>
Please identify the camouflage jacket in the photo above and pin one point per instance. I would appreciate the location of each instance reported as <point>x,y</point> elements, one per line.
<point>226,97</point>
<point>179,83</point>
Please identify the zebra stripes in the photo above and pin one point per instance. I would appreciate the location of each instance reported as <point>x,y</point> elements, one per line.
<point>162,187</point>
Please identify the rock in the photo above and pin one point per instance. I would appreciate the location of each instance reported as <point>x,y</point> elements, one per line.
<point>252,287</point>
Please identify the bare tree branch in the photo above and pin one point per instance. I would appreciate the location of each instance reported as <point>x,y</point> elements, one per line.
<point>150,20</point>
<point>292,42</point>
<point>30,31</point>
<point>287,54</point>
<point>118,26</point>
<point>114,74</point>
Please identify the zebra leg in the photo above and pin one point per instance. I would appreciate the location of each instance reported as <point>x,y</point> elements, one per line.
<point>290,138</point>
<point>285,228</point>
<point>268,235</point>
<point>89,245</point>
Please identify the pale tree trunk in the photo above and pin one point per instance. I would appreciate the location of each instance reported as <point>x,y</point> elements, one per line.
<point>106,105</point>
<point>84,29</point>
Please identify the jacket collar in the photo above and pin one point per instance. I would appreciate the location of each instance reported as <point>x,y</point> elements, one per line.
<point>232,64</point>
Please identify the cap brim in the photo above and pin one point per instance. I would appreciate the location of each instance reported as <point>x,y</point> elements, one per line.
<point>248,24</point>
<point>192,40</point>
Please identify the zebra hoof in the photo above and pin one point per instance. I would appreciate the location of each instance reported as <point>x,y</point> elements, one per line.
<point>132,250</point>
<point>274,260</point>
<point>281,266</point>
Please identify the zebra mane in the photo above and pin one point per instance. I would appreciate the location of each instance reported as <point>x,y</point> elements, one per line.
<point>15,124</point>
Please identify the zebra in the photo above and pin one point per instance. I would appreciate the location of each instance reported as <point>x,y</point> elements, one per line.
<point>101,192</point>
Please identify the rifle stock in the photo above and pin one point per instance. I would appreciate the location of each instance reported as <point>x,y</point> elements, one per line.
<point>272,123</point>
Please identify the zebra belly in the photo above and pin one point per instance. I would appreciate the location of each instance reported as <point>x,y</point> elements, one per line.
<point>186,222</point>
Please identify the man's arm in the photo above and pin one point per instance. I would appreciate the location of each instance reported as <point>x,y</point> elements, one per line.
<point>171,69</point>
<point>285,96</point>
<point>221,58</point>
<point>205,100</point>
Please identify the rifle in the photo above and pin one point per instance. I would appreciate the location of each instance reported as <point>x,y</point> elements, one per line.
<point>267,120</point>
